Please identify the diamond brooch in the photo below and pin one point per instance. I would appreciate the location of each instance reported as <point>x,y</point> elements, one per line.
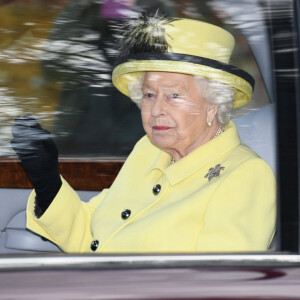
<point>214,172</point>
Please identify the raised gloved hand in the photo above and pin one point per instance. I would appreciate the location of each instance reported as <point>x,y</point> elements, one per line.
<point>39,157</point>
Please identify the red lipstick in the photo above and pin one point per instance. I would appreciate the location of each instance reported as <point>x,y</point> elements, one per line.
<point>161,127</point>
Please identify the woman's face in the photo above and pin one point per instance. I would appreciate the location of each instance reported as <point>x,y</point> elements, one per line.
<point>174,114</point>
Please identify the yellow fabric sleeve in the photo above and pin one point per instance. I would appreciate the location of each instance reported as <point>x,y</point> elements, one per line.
<point>67,221</point>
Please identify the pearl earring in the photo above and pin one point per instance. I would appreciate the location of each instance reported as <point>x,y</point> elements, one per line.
<point>209,124</point>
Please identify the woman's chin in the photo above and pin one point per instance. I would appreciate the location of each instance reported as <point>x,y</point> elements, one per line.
<point>162,141</point>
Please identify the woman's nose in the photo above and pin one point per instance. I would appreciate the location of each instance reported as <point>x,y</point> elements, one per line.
<point>159,106</point>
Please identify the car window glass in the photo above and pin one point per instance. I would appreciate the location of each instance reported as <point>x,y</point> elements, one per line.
<point>56,59</point>
<point>56,62</point>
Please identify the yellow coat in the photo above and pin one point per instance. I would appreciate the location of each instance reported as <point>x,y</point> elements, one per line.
<point>234,211</point>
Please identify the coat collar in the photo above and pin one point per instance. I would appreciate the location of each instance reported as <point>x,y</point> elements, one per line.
<point>197,159</point>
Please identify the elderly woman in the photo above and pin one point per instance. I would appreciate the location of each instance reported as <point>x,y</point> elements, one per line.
<point>189,185</point>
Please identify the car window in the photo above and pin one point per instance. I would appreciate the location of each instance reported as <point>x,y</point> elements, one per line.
<point>57,58</point>
<point>56,62</point>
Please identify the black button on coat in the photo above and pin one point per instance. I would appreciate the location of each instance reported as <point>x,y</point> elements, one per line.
<point>126,214</point>
<point>156,189</point>
<point>94,245</point>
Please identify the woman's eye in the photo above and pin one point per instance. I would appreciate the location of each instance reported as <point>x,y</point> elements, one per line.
<point>149,95</point>
<point>174,96</point>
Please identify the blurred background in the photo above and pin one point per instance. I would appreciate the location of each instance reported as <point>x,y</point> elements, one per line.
<point>56,58</point>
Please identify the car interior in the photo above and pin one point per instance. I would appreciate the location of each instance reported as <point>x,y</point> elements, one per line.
<point>257,123</point>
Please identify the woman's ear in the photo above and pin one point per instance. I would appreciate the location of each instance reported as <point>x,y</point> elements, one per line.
<point>211,112</point>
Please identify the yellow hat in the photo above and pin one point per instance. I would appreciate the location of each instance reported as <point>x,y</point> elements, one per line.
<point>153,43</point>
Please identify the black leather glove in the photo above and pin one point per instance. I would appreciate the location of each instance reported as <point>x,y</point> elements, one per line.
<point>39,157</point>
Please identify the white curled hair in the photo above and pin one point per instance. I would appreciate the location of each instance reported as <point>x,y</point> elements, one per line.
<point>135,89</point>
<point>212,91</point>
<point>216,92</point>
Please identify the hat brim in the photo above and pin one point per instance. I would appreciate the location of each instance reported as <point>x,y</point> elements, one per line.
<point>127,71</point>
